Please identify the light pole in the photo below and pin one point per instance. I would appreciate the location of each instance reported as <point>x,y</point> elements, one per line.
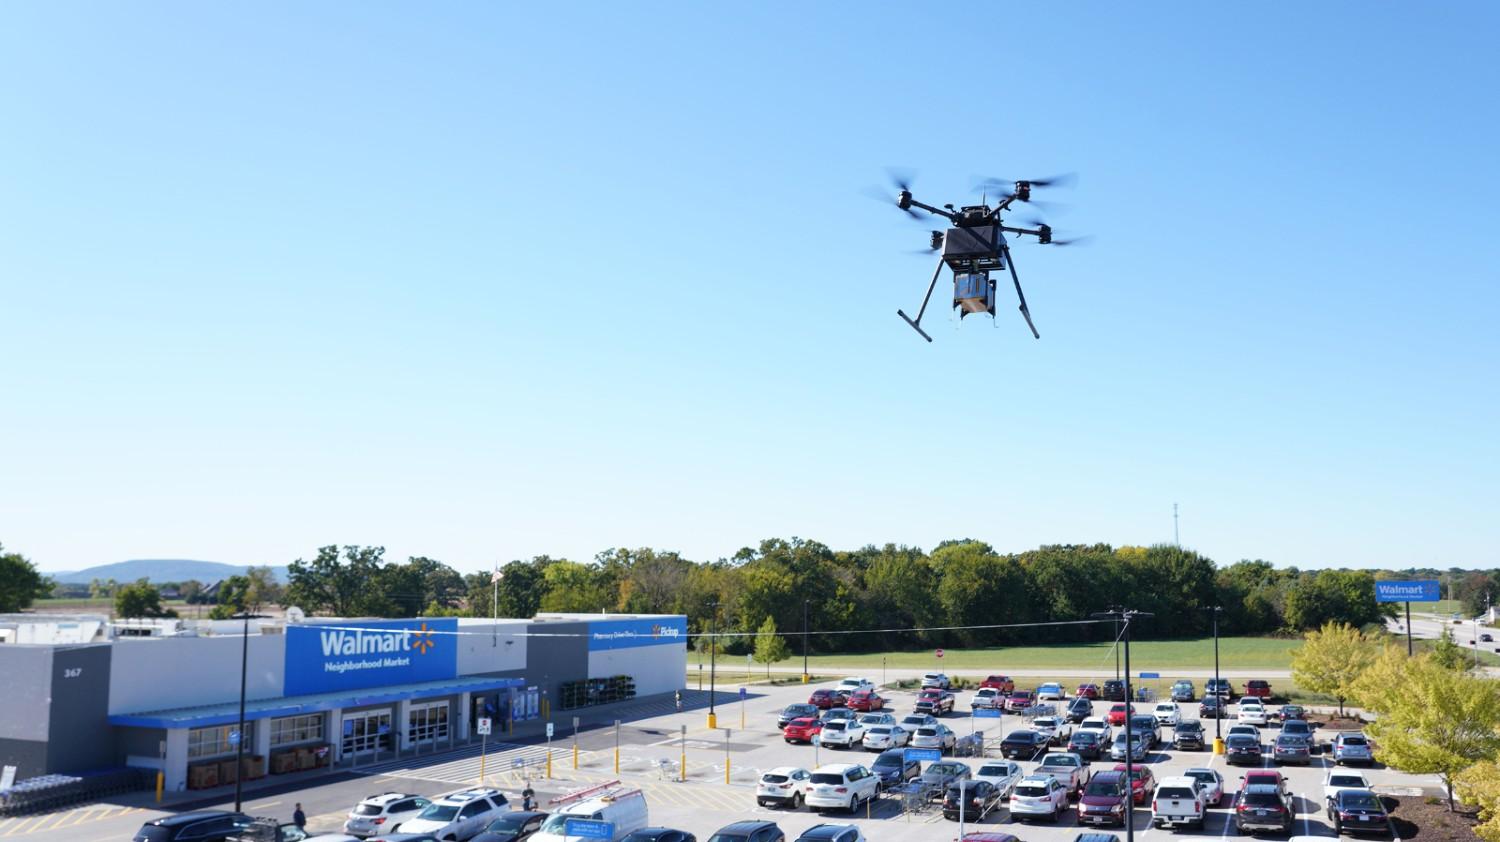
<point>239,743</point>
<point>1214,612</point>
<point>713,660</point>
<point>1117,663</point>
<point>804,641</point>
<point>1123,617</point>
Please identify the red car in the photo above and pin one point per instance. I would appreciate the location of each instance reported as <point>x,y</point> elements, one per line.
<point>1087,691</point>
<point>1142,783</point>
<point>1117,713</point>
<point>826,699</point>
<point>1258,689</point>
<point>866,701</point>
<point>1270,777</point>
<point>802,730</point>
<point>999,682</point>
<point>1020,700</point>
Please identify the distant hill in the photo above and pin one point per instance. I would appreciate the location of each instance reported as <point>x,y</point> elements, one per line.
<point>160,570</point>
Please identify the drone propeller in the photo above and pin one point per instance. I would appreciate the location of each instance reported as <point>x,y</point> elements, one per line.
<point>1022,188</point>
<point>1046,237</point>
<point>886,198</point>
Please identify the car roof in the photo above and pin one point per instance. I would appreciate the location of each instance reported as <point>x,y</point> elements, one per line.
<point>835,767</point>
<point>186,818</point>
<point>827,831</point>
<point>1096,837</point>
<point>466,795</point>
<point>1038,779</point>
<point>1176,780</point>
<point>385,798</point>
<point>783,770</point>
<point>1343,793</point>
<point>746,826</point>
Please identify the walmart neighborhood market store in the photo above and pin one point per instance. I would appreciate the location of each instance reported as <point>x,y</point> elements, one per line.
<point>318,692</point>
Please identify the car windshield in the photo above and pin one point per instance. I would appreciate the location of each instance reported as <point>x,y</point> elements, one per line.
<point>1360,801</point>
<point>835,725</point>
<point>1032,790</point>
<point>1354,741</point>
<point>367,810</point>
<point>507,824</point>
<point>556,823</point>
<point>1044,722</point>
<point>893,760</point>
<point>728,837</point>
<point>1262,799</point>
<point>1189,726</point>
<point>439,812</point>
<point>770,778</point>
<point>1346,780</point>
<point>827,778</point>
<point>1174,792</point>
<point>1085,737</point>
<point>1106,786</point>
<point>881,730</point>
<point>993,771</point>
<point>1291,741</point>
<point>942,768</point>
<point>1202,775</point>
<point>1238,740</point>
<point>927,732</point>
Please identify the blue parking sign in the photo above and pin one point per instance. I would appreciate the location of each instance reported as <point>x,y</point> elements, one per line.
<point>588,829</point>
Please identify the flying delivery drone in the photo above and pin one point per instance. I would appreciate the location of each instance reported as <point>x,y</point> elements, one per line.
<point>976,245</point>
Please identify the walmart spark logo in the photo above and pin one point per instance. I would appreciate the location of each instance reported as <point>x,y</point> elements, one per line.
<point>422,639</point>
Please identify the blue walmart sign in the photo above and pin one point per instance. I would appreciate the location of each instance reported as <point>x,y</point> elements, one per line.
<point>1418,591</point>
<point>627,634</point>
<point>368,653</point>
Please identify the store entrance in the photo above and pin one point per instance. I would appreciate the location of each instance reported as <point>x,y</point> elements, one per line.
<point>366,732</point>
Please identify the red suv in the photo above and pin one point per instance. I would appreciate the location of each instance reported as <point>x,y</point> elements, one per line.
<point>826,699</point>
<point>1087,691</point>
<point>999,682</point>
<point>1258,689</point>
<point>802,730</point>
<point>866,700</point>
<point>1142,782</point>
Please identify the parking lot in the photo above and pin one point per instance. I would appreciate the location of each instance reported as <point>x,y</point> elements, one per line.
<point>650,749</point>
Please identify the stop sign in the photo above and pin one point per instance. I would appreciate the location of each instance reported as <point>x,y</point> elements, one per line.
<point>940,653</point>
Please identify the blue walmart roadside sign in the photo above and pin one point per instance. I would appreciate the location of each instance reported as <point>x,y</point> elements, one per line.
<point>1419,591</point>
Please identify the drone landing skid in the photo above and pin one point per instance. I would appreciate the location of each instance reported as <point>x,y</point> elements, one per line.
<point>914,326</point>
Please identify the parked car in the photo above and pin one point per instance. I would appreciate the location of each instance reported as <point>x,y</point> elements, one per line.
<point>1103,800</point>
<point>1099,724</point>
<point>1004,774</point>
<point>1263,807</point>
<point>1291,748</point>
<point>1167,713</point>
<point>1087,690</point>
<point>845,733</point>
<point>748,831</point>
<point>892,767</point>
<point>1038,796</point>
<point>937,777</point>
<point>1259,688</point>
<point>1066,767</point>
<point>1210,783</point>
<point>937,736</point>
<point>934,701</point>
<point>1247,730</point>
<point>1117,713</point>
<point>1019,700</point>
<point>841,785</point>
<point>970,800</point>
<point>1023,745</point>
<point>1269,777</point>
<point>1114,691</point>
<point>1183,690</point>
<point>878,737</point>
<point>838,713</point>
<point>784,786</point>
<point>824,698</point>
<point>1178,803</point>
<point>519,825</point>
<point>938,680</point>
<point>1079,709</point>
<point>1241,750</point>
<point>1286,712</point>
<point>460,815</point>
<point>1051,691</point>
<point>1138,746</point>
<point>1212,707</point>
<point>853,683</point>
<point>987,698</point>
<point>866,700</point>
<point>1086,744</point>
<point>659,834</point>
<point>383,812</point>
<point>1145,723</point>
<point>1188,736</point>
<point>870,720</point>
<point>802,730</point>
<point>1352,748</point>
<point>1251,714</point>
<point>914,721</point>
<point>1142,782</point>
<point>797,711</point>
<point>197,826</point>
<point>1357,811</point>
<point>1299,728</point>
<point>1002,683</point>
<point>1219,687</point>
<point>1055,729</point>
<point>832,833</point>
<point>1336,781</point>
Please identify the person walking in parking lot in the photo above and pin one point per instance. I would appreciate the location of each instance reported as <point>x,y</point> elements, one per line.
<point>528,798</point>
<point>299,818</point>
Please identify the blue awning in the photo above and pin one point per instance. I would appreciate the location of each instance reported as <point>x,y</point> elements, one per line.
<point>227,713</point>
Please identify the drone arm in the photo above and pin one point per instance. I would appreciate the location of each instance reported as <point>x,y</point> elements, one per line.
<point>1011,262</point>
<point>917,323</point>
<point>951,217</point>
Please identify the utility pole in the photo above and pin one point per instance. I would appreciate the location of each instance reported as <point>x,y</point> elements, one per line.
<point>1124,617</point>
<point>239,743</point>
<point>804,641</point>
<point>713,660</point>
<point>1215,611</point>
<point>1176,539</point>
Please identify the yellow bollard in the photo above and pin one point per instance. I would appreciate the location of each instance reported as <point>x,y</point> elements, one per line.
<point>726,770</point>
<point>1218,745</point>
<point>575,757</point>
<point>617,761</point>
<point>161,783</point>
<point>806,678</point>
<point>682,767</point>
<point>713,721</point>
<point>549,764</point>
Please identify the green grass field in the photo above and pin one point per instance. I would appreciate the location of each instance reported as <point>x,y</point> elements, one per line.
<point>1151,655</point>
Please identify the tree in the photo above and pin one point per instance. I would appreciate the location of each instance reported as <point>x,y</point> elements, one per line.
<point>102,588</point>
<point>770,647</point>
<point>1436,721</point>
<point>1346,596</point>
<point>350,587</point>
<point>140,599</point>
<point>1447,653</point>
<point>574,588</point>
<point>1480,784</point>
<point>20,583</point>
<point>1331,659</point>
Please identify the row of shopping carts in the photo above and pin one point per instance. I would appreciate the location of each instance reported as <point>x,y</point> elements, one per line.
<point>46,793</point>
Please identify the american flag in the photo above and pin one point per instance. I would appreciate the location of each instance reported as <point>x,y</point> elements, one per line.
<point>496,576</point>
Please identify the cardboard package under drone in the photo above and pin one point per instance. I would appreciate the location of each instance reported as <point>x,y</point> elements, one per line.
<point>973,292</point>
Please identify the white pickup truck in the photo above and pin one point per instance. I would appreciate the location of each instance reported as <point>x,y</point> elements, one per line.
<point>1067,767</point>
<point>1178,803</point>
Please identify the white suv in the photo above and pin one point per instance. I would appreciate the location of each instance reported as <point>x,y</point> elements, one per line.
<point>1038,796</point>
<point>938,680</point>
<point>841,785</point>
<point>842,733</point>
<point>458,815</point>
<point>383,812</point>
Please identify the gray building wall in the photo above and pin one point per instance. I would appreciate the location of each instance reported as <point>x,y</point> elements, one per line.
<point>27,672</point>
<point>177,672</point>
<point>79,736</point>
<point>550,661</point>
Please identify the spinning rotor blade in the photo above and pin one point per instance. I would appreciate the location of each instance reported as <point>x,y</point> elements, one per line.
<point>887,198</point>
<point>1065,180</point>
<point>1072,241</point>
<point>900,177</point>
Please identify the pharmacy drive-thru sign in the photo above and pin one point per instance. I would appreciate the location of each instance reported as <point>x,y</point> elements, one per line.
<point>357,654</point>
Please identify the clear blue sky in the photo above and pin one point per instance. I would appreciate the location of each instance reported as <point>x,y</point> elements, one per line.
<point>486,280</point>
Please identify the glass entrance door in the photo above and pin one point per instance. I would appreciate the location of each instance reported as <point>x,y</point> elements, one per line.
<point>367,732</point>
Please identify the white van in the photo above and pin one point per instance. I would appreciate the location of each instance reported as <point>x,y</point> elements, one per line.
<point>624,808</point>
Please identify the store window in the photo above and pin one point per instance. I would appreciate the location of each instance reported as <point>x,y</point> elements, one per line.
<point>212,742</point>
<point>289,730</point>
<point>427,723</point>
<point>366,732</point>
